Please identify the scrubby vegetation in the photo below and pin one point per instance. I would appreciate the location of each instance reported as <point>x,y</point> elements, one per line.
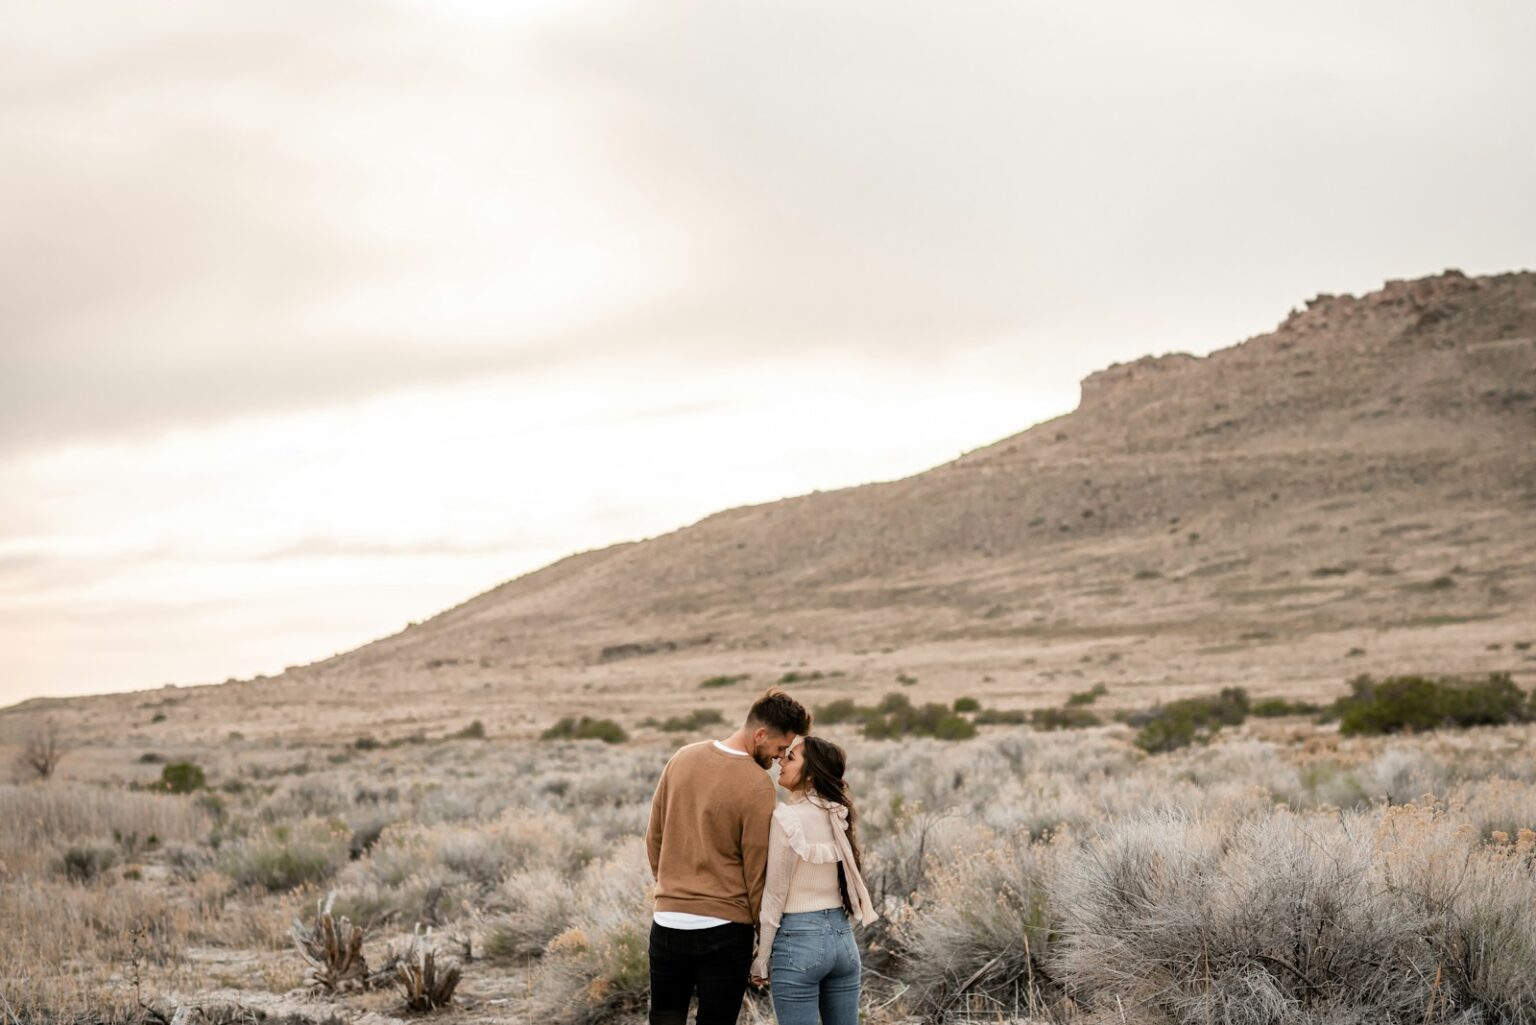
<point>1063,719</point>
<point>1022,875</point>
<point>896,716</point>
<point>696,720</point>
<point>182,778</point>
<point>1415,703</point>
<point>1190,720</point>
<point>586,728</point>
<point>723,681</point>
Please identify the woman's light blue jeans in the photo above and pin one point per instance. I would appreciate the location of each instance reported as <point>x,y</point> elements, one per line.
<point>814,969</point>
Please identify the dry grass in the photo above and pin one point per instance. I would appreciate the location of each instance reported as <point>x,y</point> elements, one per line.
<point>1256,880</point>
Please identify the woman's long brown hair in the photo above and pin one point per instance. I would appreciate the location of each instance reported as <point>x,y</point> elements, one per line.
<point>822,774</point>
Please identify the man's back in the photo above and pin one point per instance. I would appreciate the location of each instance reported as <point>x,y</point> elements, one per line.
<point>708,835</point>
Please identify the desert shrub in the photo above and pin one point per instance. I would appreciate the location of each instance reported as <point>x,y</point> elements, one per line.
<point>1477,898</point>
<point>1191,720</point>
<point>723,681</point>
<point>1063,719</point>
<point>284,858</point>
<point>1087,697</point>
<point>794,676</point>
<point>539,903</point>
<point>182,778</point>
<point>151,758</point>
<point>37,823</point>
<point>585,728</point>
<point>695,720</point>
<point>598,969</point>
<point>1270,919</point>
<point>834,712</point>
<point>367,742</point>
<point>1272,708</point>
<point>980,939</point>
<point>1416,703</point>
<point>474,731</point>
<point>1001,717</point>
<point>896,716</point>
<point>967,705</point>
<point>84,864</point>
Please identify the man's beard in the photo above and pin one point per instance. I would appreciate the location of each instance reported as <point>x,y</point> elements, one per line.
<point>765,762</point>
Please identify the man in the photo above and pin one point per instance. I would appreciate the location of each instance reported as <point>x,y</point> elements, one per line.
<point>708,842</point>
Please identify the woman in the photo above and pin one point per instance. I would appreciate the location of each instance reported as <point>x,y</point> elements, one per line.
<point>815,886</point>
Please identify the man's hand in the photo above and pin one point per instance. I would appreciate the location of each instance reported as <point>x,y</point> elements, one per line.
<point>758,980</point>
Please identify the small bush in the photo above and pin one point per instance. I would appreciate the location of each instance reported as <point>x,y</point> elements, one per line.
<point>367,742</point>
<point>281,860</point>
<point>967,705</point>
<point>586,728</point>
<point>150,758</point>
<point>1087,697</point>
<point>1001,717</point>
<point>84,864</point>
<point>797,677</point>
<point>474,731</point>
<point>896,716</point>
<point>723,681</point>
<point>1191,720</point>
<point>839,711</point>
<point>182,778</point>
<point>1273,708</point>
<point>695,720</point>
<point>1063,719</point>
<point>1415,703</point>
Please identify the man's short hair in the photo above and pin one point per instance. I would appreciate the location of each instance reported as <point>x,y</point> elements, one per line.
<point>780,713</point>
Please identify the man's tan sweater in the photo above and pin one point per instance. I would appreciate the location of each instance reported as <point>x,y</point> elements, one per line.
<point>708,837</point>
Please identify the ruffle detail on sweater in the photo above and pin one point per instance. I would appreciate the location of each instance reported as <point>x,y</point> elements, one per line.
<point>814,853</point>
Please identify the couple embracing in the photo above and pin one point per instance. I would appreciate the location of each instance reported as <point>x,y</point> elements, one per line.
<point>747,887</point>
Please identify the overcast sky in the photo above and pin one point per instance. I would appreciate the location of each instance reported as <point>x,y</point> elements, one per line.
<point>317,318</point>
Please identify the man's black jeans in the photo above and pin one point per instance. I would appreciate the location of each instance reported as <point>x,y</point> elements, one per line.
<point>714,962</point>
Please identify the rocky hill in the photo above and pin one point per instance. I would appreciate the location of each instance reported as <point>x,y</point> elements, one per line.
<point>1354,491</point>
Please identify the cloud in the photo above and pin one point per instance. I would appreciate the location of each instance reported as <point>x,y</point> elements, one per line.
<point>249,207</point>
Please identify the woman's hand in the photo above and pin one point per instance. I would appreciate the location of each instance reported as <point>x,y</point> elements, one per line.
<point>758,980</point>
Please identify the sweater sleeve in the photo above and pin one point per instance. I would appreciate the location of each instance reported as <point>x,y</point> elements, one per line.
<point>755,827</point>
<point>781,871</point>
<point>658,821</point>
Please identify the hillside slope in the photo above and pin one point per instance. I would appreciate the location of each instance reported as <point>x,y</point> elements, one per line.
<point>1354,491</point>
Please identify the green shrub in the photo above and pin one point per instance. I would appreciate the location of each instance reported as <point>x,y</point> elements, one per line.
<point>967,705</point>
<point>1087,697</point>
<point>723,681</point>
<point>279,860</point>
<point>832,713</point>
<point>367,742</point>
<point>896,716</point>
<point>1415,703</point>
<point>795,677</point>
<point>586,728</point>
<point>182,778</point>
<point>1271,708</point>
<point>1001,717</point>
<point>84,864</point>
<point>1063,719</point>
<point>1191,720</point>
<point>693,721</point>
<point>474,731</point>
